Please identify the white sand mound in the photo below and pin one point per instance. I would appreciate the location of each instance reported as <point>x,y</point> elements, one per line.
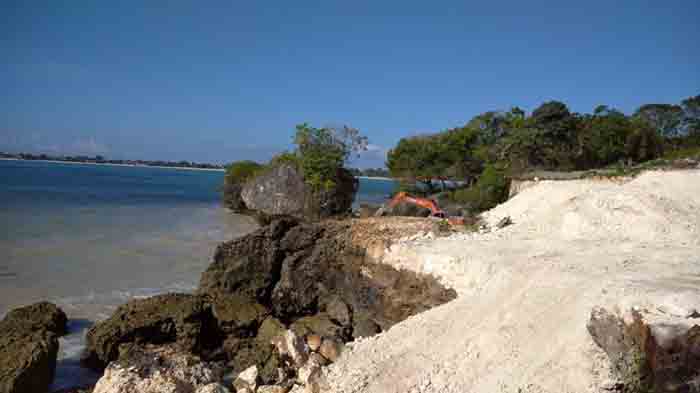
<point>526,291</point>
<point>653,205</point>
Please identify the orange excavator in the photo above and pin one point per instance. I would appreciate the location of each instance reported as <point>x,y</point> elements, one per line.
<point>426,203</point>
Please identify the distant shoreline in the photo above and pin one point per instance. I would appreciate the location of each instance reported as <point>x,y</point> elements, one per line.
<point>159,166</point>
<point>109,164</point>
<point>376,178</point>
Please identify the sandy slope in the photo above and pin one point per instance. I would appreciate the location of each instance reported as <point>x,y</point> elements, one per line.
<point>526,291</point>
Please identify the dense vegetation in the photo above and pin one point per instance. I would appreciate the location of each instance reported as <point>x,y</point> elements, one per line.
<point>504,143</point>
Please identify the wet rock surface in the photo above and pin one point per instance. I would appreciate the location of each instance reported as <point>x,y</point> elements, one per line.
<point>264,297</point>
<point>29,346</point>
<point>171,318</point>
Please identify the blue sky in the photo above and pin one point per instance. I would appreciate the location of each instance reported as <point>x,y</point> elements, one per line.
<point>220,81</point>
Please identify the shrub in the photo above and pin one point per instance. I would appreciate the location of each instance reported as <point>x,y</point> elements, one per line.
<point>490,189</point>
<point>239,172</point>
<point>285,158</point>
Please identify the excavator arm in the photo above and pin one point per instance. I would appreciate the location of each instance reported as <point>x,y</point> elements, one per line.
<point>426,203</point>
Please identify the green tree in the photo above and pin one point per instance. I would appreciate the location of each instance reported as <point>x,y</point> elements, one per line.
<point>490,189</point>
<point>321,152</point>
<point>643,143</point>
<point>691,119</point>
<point>603,137</point>
<point>447,154</point>
<point>666,119</point>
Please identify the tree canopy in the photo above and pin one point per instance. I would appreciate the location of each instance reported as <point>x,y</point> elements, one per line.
<point>552,137</point>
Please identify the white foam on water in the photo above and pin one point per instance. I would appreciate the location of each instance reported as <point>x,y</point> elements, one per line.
<point>94,307</point>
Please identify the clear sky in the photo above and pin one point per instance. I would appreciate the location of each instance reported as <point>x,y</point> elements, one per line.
<point>218,81</point>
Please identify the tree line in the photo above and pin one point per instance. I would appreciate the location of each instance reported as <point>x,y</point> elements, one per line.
<point>98,159</point>
<point>500,143</point>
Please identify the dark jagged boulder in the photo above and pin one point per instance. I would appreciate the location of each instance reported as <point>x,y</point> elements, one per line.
<point>38,316</point>
<point>282,190</point>
<point>249,266</point>
<point>232,198</point>
<point>29,346</point>
<point>256,350</point>
<point>171,318</point>
<point>27,361</point>
<point>301,270</point>
<point>237,315</point>
<point>321,325</point>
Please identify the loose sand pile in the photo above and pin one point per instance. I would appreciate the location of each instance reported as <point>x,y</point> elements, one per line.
<point>527,290</point>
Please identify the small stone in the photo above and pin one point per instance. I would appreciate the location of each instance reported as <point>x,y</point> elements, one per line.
<point>364,326</point>
<point>330,349</point>
<point>291,345</point>
<point>247,379</point>
<point>338,311</point>
<point>309,372</point>
<point>314,341</point>
<point>318,359</point>
<point>272,389</point>
<point>312,387</point>
<point>213,388</point>
<point>297,389</point>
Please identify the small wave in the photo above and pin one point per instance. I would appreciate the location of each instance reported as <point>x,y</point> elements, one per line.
<point>94,307</point>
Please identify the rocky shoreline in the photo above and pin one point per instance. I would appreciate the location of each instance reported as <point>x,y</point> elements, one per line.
<point>279,304</point>
<point>296,306</point>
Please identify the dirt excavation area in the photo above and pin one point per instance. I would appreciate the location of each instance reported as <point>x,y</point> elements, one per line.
<point>608,261</point>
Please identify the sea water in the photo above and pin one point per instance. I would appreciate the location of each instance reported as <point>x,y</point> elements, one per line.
<point>91,237</point>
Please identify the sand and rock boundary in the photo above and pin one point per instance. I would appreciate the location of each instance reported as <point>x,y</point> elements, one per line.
<point>528,314</point>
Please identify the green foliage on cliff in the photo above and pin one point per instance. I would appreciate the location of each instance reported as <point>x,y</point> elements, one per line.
<point>322,152</point>
<point>319,154</point>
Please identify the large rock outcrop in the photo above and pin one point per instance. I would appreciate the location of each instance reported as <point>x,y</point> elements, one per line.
<point>248,266</point>
<point>170,318</point>
<point>29,346</point>
<point>651,349</point>
<point>282,190</point>
<point>311,276</point>
<point>306,277</point>
<point>289,276</point>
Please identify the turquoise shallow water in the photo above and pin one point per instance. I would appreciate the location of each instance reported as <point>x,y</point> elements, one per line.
<point>91,237</point>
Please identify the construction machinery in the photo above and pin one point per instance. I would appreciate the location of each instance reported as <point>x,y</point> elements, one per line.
<point>425,203</point>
